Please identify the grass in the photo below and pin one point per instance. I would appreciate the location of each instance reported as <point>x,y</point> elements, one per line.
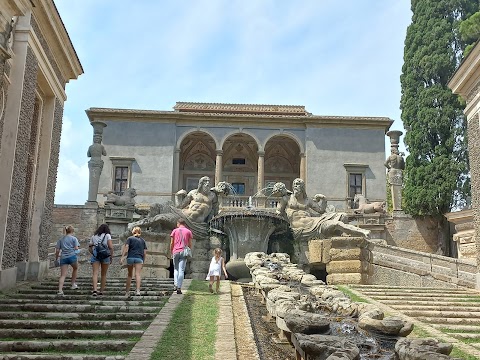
<point>351,295</point>
<point>190,335</point>
<point>457,353</point>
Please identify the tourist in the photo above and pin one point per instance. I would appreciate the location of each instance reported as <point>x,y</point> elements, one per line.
<point>135,250</point>
<point>101,236</point>
<point>179,238</point>
<point>67,249</point>
<point>296,206</point>
<point>215,270</point>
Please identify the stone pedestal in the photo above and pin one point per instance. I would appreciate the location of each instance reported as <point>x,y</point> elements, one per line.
<point>118,218</point>
<point>8,278</point>
<point>157,261</point>
<point>350,261</point>
<point>464,236</point>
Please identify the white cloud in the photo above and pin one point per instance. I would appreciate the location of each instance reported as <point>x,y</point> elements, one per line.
<point>72,182</point>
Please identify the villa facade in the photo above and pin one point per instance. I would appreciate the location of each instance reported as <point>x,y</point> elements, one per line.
<point>249,146</point>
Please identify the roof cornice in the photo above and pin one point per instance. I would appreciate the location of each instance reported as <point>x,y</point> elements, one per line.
<point>111,114</point>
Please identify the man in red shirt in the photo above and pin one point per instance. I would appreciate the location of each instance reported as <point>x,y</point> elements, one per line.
<point>179,238</point>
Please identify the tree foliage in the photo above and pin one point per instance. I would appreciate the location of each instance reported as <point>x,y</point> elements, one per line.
<point>470,31</point>
<point>436,171</point>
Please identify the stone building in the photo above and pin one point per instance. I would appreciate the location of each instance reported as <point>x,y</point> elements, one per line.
<point>466,82</point>
<point>37,59</point>
<point>249,146</point>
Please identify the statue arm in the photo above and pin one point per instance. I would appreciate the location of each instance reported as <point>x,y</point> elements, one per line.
<point>104,152</point>
<point>282,205</point>
<point>319,204</point>
<point>186,201</point>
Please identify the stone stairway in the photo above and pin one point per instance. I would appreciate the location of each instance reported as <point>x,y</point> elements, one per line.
<point>36,323</point>
<point>454,312</point>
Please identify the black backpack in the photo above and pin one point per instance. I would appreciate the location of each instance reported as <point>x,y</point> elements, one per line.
<point>102,250</point>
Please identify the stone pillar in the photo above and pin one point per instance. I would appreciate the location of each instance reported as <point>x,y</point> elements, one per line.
<point>395,165</point>
<point>473,132</point>
<point>303,170</point>
<point>261,170</point>
<point>20,86</point>
<point>218,166</point>
<point>349,260</point>
<point>176,170</point>
<point>95,165</point>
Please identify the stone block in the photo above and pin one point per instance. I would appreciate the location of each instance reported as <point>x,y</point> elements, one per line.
<point>8,278</point>
<point>351,278</point>
<point>315,250</point>
<point>347,266</point>
<point>158,247</point>
<point>345,242</point>
<point>158,273</point>
<point>350,254</point>
<point>157,261</point>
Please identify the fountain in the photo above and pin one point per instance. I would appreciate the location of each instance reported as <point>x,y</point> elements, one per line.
<point>248,230</point>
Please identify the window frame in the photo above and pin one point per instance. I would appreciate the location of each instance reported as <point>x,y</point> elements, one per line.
<point>121,162</point>
<point>355,169</point>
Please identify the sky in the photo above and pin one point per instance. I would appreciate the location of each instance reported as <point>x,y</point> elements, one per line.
<point>334,57</point>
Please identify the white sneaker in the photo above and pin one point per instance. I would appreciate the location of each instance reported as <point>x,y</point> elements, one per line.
<point>137,292</point>
<point>74,286</point>
<point>60,293</point>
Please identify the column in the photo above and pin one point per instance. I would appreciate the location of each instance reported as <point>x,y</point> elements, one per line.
<point>176,171</point>
<point>218,166</point>
<point>303,170</point>
<point>261,170</point>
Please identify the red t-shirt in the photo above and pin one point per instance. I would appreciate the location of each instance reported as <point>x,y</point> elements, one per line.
<point>177,238</point>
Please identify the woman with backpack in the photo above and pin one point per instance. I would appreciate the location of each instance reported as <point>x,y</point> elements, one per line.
<point>134,250</point>
<point>101,248</point>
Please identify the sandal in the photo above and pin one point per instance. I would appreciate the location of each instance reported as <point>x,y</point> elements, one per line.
<point>94,293</point>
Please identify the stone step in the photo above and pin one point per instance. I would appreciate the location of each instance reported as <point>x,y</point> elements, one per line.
<point>73,324</point>
<point>426,295</point>
<point>438,308</point>
<point>79,316</point>
<point>160,296</point>
<point>64,308</point>
<point>88,292</point>
<point>443,314</point>
<point>62,356</point>
<point>66,345</point>
<point>432,298</point>
<point>465,328</point>
<point>428,302</point>
<point>446,322</point>
<point>67,334</point>
<point>463,336</point>
<point>380,288</point>
<point>88,289</point>
<point>99,300</point>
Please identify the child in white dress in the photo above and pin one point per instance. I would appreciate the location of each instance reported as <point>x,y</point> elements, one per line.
<point>215,270</point>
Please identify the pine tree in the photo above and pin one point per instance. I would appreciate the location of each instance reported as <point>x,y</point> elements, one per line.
<point>436,171</point>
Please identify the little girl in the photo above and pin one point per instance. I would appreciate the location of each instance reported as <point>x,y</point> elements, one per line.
<point>215,270</point>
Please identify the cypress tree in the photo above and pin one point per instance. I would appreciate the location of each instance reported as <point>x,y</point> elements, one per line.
<point>436,171</point>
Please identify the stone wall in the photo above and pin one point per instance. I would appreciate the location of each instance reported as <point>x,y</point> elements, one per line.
<point>83,220</point>
<point>419,233</point>
<point>402,267</point>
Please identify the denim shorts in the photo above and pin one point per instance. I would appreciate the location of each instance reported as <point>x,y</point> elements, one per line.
<point>131,261</point>
<point>69,260</point>
<point>104,261</point>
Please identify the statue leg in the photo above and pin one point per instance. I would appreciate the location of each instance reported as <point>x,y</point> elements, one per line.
<point>330,226</point>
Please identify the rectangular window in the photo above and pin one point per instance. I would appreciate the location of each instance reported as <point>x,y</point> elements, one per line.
<point>238,161</point>
<point>355,185</point>
<point>121,179</point>
<point>239,188</point>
